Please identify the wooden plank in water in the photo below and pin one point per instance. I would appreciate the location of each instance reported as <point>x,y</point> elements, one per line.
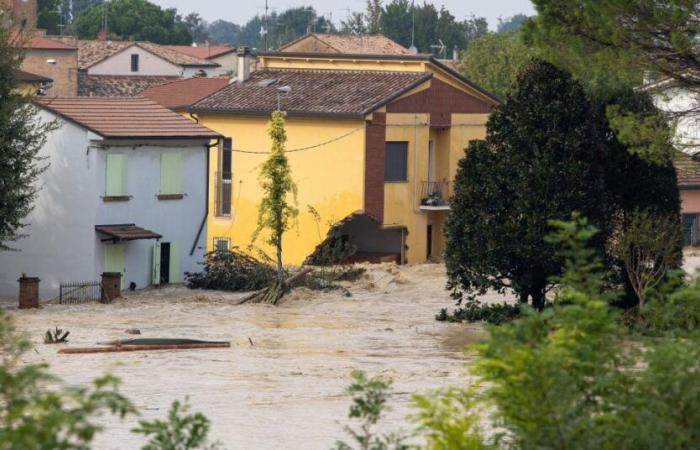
<point>137,348</point>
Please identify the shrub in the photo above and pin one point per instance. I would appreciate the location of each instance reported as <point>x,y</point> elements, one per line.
<point>495,314</point>
<point>232,270</point>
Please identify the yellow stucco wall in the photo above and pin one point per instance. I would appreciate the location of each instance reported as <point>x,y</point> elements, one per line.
<point>329,178</point>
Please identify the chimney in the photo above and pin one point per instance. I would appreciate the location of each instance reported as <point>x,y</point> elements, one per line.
<point>455,53</point>
<point>244,58</point>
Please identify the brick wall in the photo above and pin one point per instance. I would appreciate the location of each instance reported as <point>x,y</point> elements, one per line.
<point>24,12</point>
<point>64,72</point>
<point>375,137</point>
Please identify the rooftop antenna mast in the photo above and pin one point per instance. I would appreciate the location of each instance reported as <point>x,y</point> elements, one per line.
<point>413,48</point>
<point>263,30</point>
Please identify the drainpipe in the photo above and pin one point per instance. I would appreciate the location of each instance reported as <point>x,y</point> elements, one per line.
<point>206,202</point>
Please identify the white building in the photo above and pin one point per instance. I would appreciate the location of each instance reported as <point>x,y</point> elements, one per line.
<point>125,191</point>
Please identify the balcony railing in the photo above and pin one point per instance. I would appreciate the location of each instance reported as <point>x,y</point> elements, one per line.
<point>434,194</point>
<point>223,193</point>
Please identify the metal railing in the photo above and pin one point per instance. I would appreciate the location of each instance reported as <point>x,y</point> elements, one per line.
<point>223,191</point>
<point>80,292</point>
<point>434,193</point>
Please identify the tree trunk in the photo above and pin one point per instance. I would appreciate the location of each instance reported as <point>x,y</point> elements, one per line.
<point>538,298</point>
<point>523,297</point>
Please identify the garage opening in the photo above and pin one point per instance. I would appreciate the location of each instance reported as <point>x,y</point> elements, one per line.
<point>360,238</point>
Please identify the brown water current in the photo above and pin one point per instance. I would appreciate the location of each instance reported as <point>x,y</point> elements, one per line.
<point>286,390</point>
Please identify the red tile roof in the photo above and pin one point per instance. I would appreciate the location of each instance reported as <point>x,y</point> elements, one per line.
<point>203,52</point>
<point>182,93</point>
<point>126,118</point>
<point>21,75</point>
<point>93,52</point>
<point>116,85</point>
<point>372,44</point>
<point>687,171</point>
<point>350,93</point>
<point>44,43</point>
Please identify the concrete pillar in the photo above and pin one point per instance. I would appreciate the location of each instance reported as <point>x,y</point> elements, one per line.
<point>28,292</point>
<point>111,286</point>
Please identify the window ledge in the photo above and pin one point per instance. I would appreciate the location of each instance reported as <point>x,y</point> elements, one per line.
<point>116,198</point>
<point>170,196</point>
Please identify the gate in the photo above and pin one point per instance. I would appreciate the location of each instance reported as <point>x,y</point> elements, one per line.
<point>80,292</point>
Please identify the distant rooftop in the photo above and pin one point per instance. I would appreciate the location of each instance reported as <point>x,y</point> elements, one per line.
<point>126,118</point>
<point>182,93</point>
<point>116,85</point>
<point>91,52</point>
<point>375,44</point>
<point>202,51</point>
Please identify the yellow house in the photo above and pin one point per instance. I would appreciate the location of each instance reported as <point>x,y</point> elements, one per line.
<point>29,83</point>
<point>373,143</point>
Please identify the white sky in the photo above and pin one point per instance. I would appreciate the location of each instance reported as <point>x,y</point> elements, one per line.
<point>239,11</point>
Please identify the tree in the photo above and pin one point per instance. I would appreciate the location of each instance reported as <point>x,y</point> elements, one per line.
<point>22,135</point>
<point>494,60</point>
<point>223,32</point>
<point>510,23</point>
<point>395,20</point>
<point>474,28</point>
<point>276,212</point>
<point>647,243</point>
<point>137,20</point>
<point>542,159</point>
<point>354,24</point>
<point>181,430</point>
<point>198,27</point>
<point>49,15</point>
<point>643,35</point>
<point>373,16</point>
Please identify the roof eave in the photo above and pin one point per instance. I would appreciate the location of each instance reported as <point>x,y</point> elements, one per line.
<point>267,113</point>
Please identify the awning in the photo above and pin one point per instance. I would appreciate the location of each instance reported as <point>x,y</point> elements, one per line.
<point>126,232</point>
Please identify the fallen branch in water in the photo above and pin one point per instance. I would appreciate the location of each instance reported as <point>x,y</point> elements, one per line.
<point>273,293</point>
<point>136,348</point>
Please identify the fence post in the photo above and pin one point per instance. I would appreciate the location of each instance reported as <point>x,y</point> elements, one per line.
<point>111,286</point>
<point>28,292</point>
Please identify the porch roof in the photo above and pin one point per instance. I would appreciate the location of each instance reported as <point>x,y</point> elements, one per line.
<point>126,232</point>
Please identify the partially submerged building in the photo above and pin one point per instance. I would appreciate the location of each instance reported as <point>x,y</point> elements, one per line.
<point>370,136</point>
<point>125,190</point>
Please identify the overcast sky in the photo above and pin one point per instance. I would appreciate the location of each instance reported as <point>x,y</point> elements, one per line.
<point>239,11</point>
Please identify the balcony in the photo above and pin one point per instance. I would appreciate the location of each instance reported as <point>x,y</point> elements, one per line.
<point>434,196</point>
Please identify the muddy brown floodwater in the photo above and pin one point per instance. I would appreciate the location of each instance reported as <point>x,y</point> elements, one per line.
<point>286,391</point>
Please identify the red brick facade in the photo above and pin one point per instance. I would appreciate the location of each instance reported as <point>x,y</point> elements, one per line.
<point>375,137</point>
<point>440,100</point>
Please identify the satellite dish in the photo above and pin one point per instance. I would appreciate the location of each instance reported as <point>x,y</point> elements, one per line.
<point>412,49</point>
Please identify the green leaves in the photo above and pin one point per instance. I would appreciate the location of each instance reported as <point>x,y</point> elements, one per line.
<point>181,430</point>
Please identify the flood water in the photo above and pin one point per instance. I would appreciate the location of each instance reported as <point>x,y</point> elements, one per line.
<point>286,389</point>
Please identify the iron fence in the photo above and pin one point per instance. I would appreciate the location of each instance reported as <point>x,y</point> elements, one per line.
<point>434,193</point>
<point>80,292</point>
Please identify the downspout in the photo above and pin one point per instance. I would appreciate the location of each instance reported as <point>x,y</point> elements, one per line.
<point>206,202</point>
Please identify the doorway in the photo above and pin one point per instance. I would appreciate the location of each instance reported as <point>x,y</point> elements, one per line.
<point>430,242</point>
<point>165,262</point>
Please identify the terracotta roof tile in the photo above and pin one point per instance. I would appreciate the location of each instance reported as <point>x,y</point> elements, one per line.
<point>687,170</point>
<point>116,86</point>
<point>202,52</point>
<point>126,118</point>
<point>313,92</point>
<point>44,43</point>
<point>21,75</point>
<point>182,93</point>
<point>374,44</point>
<point>92,52</point>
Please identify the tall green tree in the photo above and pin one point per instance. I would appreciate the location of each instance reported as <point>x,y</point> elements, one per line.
<point>494,60</point>
<point>50,15</point>
<point>542,159</point>
<point>223,32</point>
<point>278,206</point>
<point>22,135</point>
<point>198,27</point>
<point>138,20</point>
<point>510,24</point>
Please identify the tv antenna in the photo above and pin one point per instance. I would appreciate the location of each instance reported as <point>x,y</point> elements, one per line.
<point>441,48</point>
<point>413,48</point>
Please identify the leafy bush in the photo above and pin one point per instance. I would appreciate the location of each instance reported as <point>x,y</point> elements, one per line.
<point>327,278</point>
<point>368,404</point>
<point>495,314</point>
<point>181,430</point>
<point>232,270</point>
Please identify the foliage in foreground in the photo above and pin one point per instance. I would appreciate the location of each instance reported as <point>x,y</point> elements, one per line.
<point>494,314</point>
<point>569,377</point>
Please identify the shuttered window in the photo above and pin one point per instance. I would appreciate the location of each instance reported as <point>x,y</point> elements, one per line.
<point>395,161</point>
<point>170,173</point>
<point>116,175</point>
<point>135,63</point>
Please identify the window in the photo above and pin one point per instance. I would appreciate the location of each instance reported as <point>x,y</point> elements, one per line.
<point>690,229</point>
<point>222,244</point>
<point>134,63</point>
<point>395,161</point>
<point>115,185</point>
<point>223,180</point>
<point>171,175</point>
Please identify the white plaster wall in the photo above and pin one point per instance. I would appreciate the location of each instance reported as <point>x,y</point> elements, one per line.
<point>149,64</point>
<point>60,245</point>
<point>228,63</point>
<point>675,100</point>
<point>189,72</point>
<point>176,220</point>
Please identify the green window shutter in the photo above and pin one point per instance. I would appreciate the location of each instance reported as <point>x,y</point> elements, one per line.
<point>114,259</point>
<point>155,265</point>
<point>116,175</point>
<point>174,269</point>
<point>171,173</point>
